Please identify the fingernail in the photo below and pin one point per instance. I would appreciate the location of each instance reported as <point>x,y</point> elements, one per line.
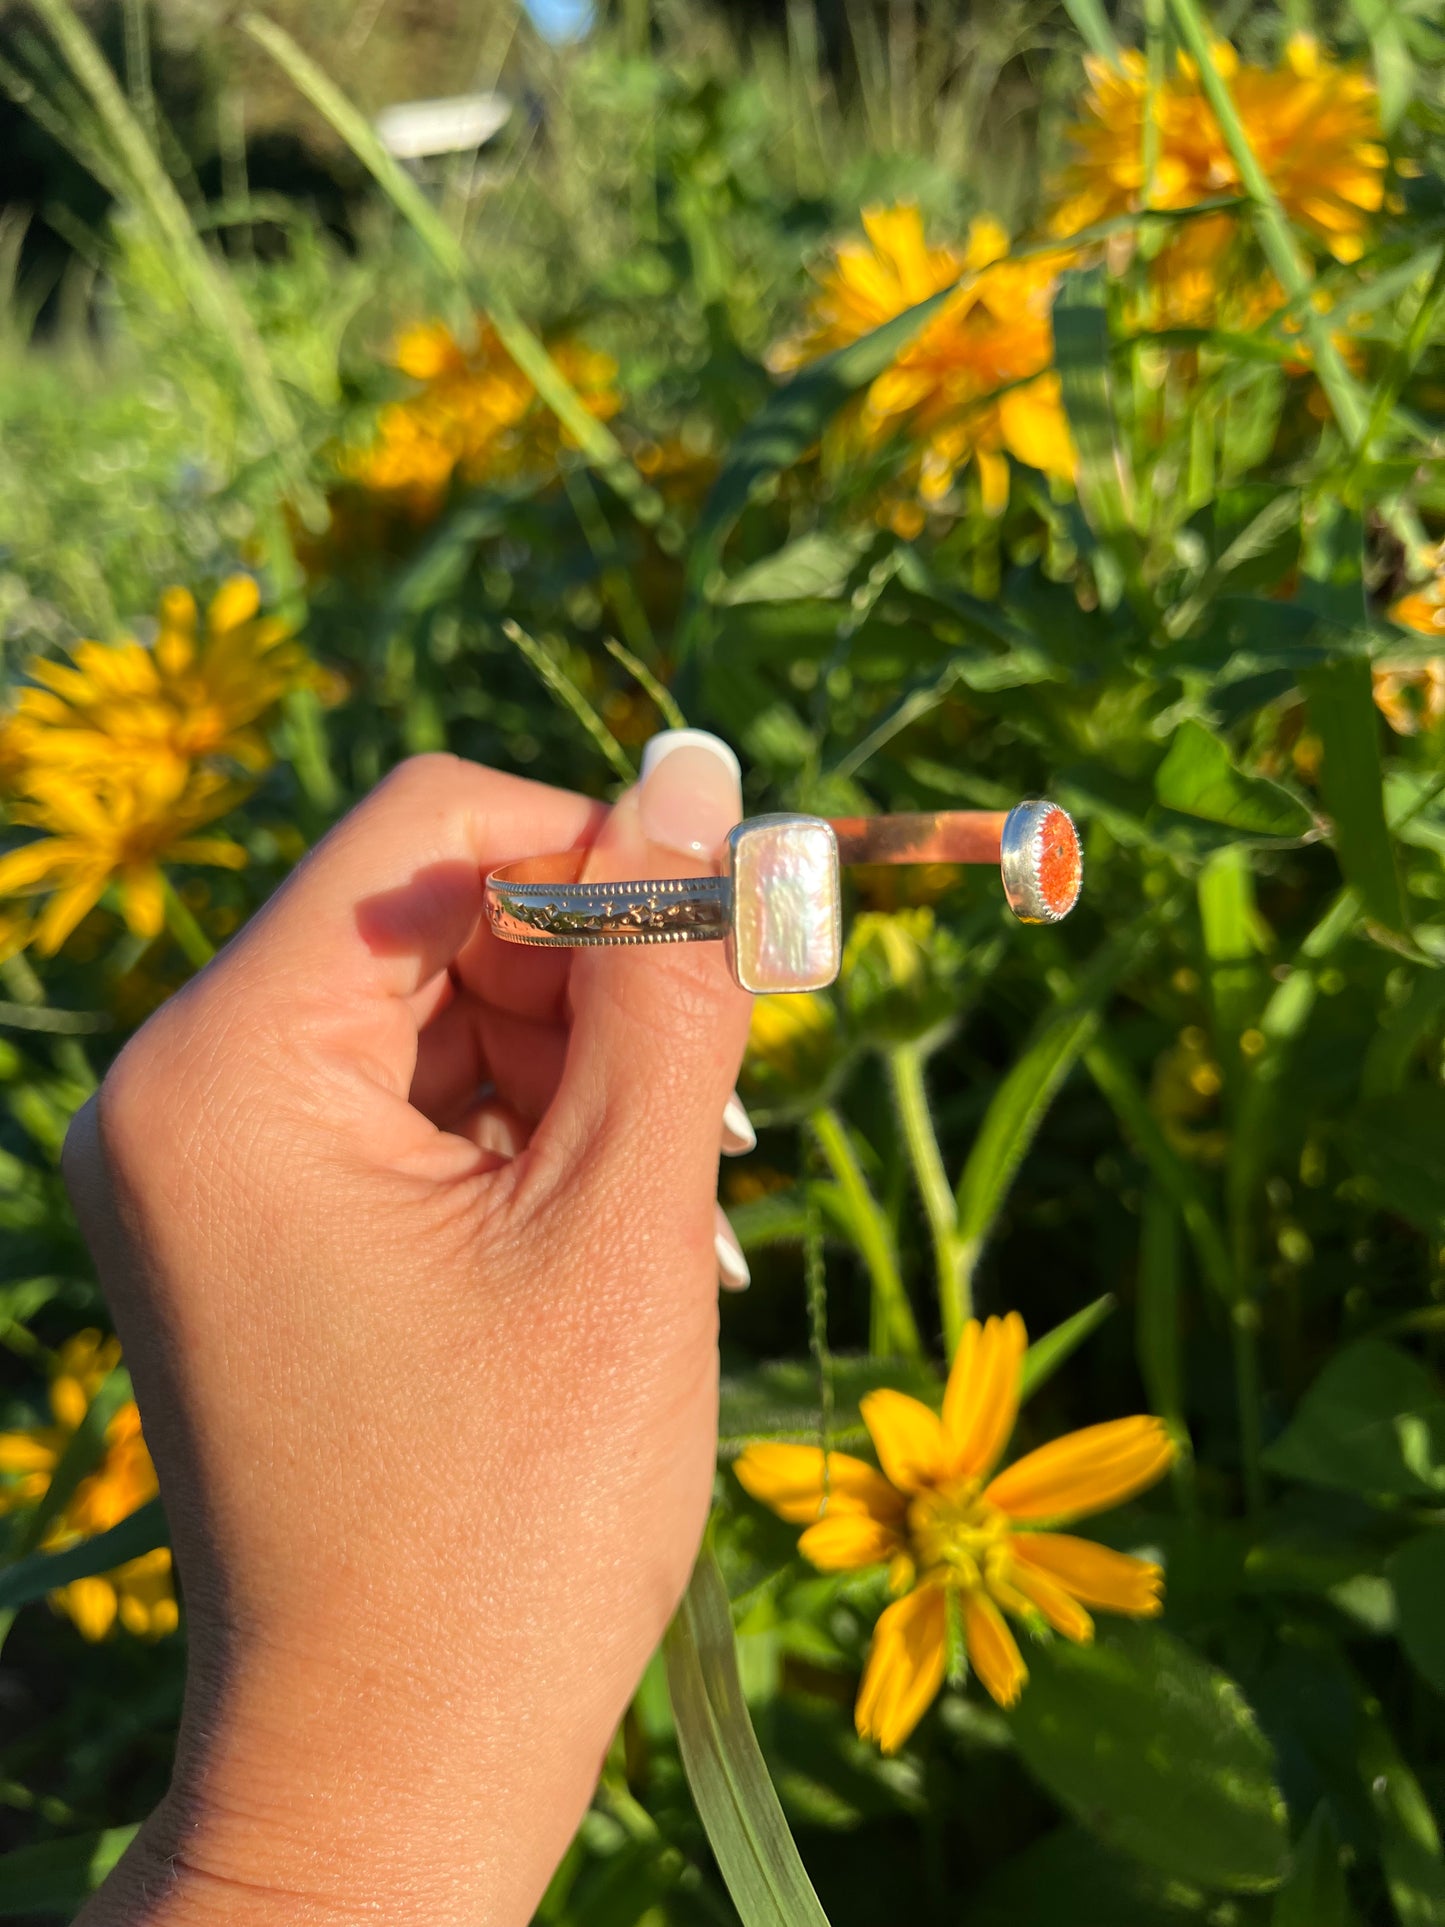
<point>738,1134</point>
<point>731,1264</point>
<point>691,791</point>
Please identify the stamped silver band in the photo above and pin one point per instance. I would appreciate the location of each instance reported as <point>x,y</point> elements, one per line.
<point>525,908</point>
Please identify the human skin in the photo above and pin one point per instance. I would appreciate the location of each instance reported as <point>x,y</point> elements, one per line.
<point>430,1383</point>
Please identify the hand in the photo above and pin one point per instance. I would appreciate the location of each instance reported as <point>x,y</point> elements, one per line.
<point>410,1239</point>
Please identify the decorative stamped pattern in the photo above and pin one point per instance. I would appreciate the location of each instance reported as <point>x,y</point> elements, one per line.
<point>670,910</point>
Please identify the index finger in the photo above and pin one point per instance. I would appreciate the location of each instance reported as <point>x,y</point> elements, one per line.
<point>393,894</point>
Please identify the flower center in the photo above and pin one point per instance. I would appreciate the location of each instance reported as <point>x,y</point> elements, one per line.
<point>958,1536</point>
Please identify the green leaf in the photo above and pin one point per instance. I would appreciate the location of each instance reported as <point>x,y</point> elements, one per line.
<point>817,564</point>
<point>56,1878</point>
<point>1371,1423</point>
<point>1198,778</point>
<point>1342,714</point>
<point>1067,1879</point>
<point>1159,1754</point>
<point>1047,1354</point>
<point>1408,1836</point>
<point>779,1400</point>
<point>1394,69</point>
<point>1315,1895</point>
<point>1397,1145</point>
<point>1417,1573</point>
<point>725,1769</point>
<point>1021,1102</point>
<point>1082,353</point>
<point>40,1573</point>
<point>1095,29</point>
<point>777,436</point>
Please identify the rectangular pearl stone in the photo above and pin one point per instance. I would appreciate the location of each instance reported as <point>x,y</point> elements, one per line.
<point>787,916</point>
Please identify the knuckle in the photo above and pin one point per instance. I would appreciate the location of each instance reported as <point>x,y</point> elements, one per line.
<point>420,776</point>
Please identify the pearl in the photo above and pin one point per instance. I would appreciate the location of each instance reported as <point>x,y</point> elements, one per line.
<point>787,919</point>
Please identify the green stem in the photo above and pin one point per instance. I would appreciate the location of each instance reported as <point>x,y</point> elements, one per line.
<point>187,932</point>
<point>894,1330</point>
<point>955,1292</point>
<point>611,571</point>
<point>1244,1336</point>
<point>1282,250</point>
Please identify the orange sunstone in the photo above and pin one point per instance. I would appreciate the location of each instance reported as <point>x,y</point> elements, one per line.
<point>1061,869</point>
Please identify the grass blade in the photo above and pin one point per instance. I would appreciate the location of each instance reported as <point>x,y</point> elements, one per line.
<point>207,286</point>
<point>1277,238</point>
<point>42,1572</point>
<point>1083,354</point>
<point>1342,714</point>
<point>1107,1066</point>
<point>571,697</point>
<point>80,1457</point>
<point>1014,1115</point>
<point>594,438</point>
<point>1094,29</point>
<point>736,1800</point>
<point>1044,1357</point>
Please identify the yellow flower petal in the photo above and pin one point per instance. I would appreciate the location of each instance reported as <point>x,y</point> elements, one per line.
<point>1035,428</point>
<point>912,1445</point>
<point>993,480</point>
<point>1059,1608</point>
<point>789,1478</point>
<point>981,1401</point>
<point>905,1668</point>
<point>992,1650</point>
<point>236,601</point>
<point>1113,1581</point>
<point>91,1604</point>
<point>29,1451</point>
<point>847,1541</point>
<point>66,908</point>
<point>143,899</point>
<point>1084,1472</point>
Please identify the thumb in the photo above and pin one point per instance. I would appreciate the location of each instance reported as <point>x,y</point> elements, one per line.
<point>657,1029</point>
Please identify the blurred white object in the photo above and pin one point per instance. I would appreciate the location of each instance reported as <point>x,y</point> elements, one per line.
<point>416,129</point>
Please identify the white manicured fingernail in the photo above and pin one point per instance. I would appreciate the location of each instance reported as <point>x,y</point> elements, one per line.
<point>738,1134</point>
<point>668,740</point>
<point>731,1264</point>
<point>689,791</point>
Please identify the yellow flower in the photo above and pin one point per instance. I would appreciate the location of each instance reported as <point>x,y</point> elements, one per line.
<point>1314,125</point>
<point>104,826</point>
<point>476,416</point>
<point>899,977</point>
<point>192,696</point>
<point>792,1049</point>
<point>1422,609</point>
<point>1411,697</point>
<point>964,1543</point>
<point>944,389</point>
<point>139,1592</point>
